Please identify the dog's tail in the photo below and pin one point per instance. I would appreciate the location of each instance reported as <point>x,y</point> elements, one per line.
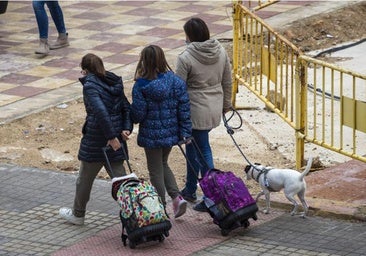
<point>307,169</point>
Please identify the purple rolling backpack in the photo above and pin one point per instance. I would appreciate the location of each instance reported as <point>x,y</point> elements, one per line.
<point>225,193</point>
<point>226,197</point>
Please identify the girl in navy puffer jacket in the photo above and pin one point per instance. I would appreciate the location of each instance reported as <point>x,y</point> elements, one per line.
<point>107,123</point>
<point>160,104</point>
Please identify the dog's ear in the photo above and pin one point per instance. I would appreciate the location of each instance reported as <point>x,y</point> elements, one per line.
<point>247,168</point>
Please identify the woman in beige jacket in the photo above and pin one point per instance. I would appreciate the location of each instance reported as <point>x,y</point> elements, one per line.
<point>205,67</point>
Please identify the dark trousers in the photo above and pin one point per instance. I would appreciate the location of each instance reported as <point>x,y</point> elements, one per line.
<point>87,174</point>
<point>161,176</point>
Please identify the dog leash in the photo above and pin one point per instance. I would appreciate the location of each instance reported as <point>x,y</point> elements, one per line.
<point>230,130</point>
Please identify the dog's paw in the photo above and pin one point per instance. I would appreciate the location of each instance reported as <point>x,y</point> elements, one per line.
<point>303,215</point>
<point>265,211</point>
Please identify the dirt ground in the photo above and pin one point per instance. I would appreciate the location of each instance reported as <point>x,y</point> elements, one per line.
<point>328,30</point>
<point>50,139</point>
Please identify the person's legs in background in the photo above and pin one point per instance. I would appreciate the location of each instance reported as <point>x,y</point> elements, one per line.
<point>42,22</point>
<point>58,19</point>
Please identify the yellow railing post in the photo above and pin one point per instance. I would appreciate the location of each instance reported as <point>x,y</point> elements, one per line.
<point>236,32</point>
<point>301,112</point>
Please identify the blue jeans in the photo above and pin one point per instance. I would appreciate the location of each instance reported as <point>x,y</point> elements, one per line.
<point>200,165</point>
<point>42,18</point>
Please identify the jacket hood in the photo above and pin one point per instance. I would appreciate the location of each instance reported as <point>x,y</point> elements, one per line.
<point>111,82</point>
<point>206,52</point>
<point>112,79</point>
<point>157,89</point>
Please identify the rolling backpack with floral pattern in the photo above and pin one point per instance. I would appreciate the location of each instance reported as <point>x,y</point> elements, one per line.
<point>142,213</point>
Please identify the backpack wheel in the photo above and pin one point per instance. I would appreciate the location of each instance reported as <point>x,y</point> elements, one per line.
<point>224,232</point>
<point>132,245</point>
<point>124,241</point>
<point>161,238</point>
<point>246,223</point>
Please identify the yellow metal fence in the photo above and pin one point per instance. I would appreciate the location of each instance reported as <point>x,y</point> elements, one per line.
<point>336,108</point>
<point>323,103</point>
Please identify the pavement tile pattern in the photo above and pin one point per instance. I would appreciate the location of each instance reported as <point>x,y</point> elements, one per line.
<point>287,235</point>
<point>30,225</point>
<point>117,31</point>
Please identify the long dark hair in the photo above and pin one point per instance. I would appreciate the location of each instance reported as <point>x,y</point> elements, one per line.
<point>93,64</point>
<point>152,62</point>
<point>196,30</point>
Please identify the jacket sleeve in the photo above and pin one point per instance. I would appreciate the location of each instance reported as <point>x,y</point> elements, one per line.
<point>126,113</point>
<point>184,112</point>
<point>182,68</point>
<point>139,105</point>
<point>99,110</point>
<point>227,83</point>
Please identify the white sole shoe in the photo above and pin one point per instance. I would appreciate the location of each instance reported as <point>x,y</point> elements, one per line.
<point>66,213</point>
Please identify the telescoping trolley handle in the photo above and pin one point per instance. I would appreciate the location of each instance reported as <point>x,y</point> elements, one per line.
<point>105,149</point>
<point>191,140</point>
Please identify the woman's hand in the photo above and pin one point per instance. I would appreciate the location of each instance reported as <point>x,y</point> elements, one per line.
<point>125,134</point>
<point>114,143</point>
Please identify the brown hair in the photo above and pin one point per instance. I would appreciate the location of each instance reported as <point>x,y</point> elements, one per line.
<point>196,30</point>
<point>93,64</point>
<point>152,62</point>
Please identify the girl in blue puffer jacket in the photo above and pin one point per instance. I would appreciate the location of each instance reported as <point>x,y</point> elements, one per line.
<point>160,104</point>
<point>107,123</point>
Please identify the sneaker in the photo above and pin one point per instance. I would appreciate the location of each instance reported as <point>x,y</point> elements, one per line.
<point>43,47</point>
<point>200,207</point>
<point>62,41</point>
<point>68,215</point>
<point>188,197</point>
<point>179,206</point>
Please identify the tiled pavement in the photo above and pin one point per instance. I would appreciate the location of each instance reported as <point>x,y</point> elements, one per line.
<point>30,225</point>
<point>117,31</point>
<point>114,30</point>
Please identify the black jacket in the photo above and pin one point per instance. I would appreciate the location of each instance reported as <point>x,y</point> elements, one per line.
<point>107,114</point>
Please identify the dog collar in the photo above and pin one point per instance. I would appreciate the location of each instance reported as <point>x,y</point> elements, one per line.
<point>263,171</point>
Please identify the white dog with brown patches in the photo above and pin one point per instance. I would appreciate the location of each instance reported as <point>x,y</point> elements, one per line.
<point>273,180</point>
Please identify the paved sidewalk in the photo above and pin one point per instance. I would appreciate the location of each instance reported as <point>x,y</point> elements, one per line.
<point>30,225</point>
<point>117,31</point>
